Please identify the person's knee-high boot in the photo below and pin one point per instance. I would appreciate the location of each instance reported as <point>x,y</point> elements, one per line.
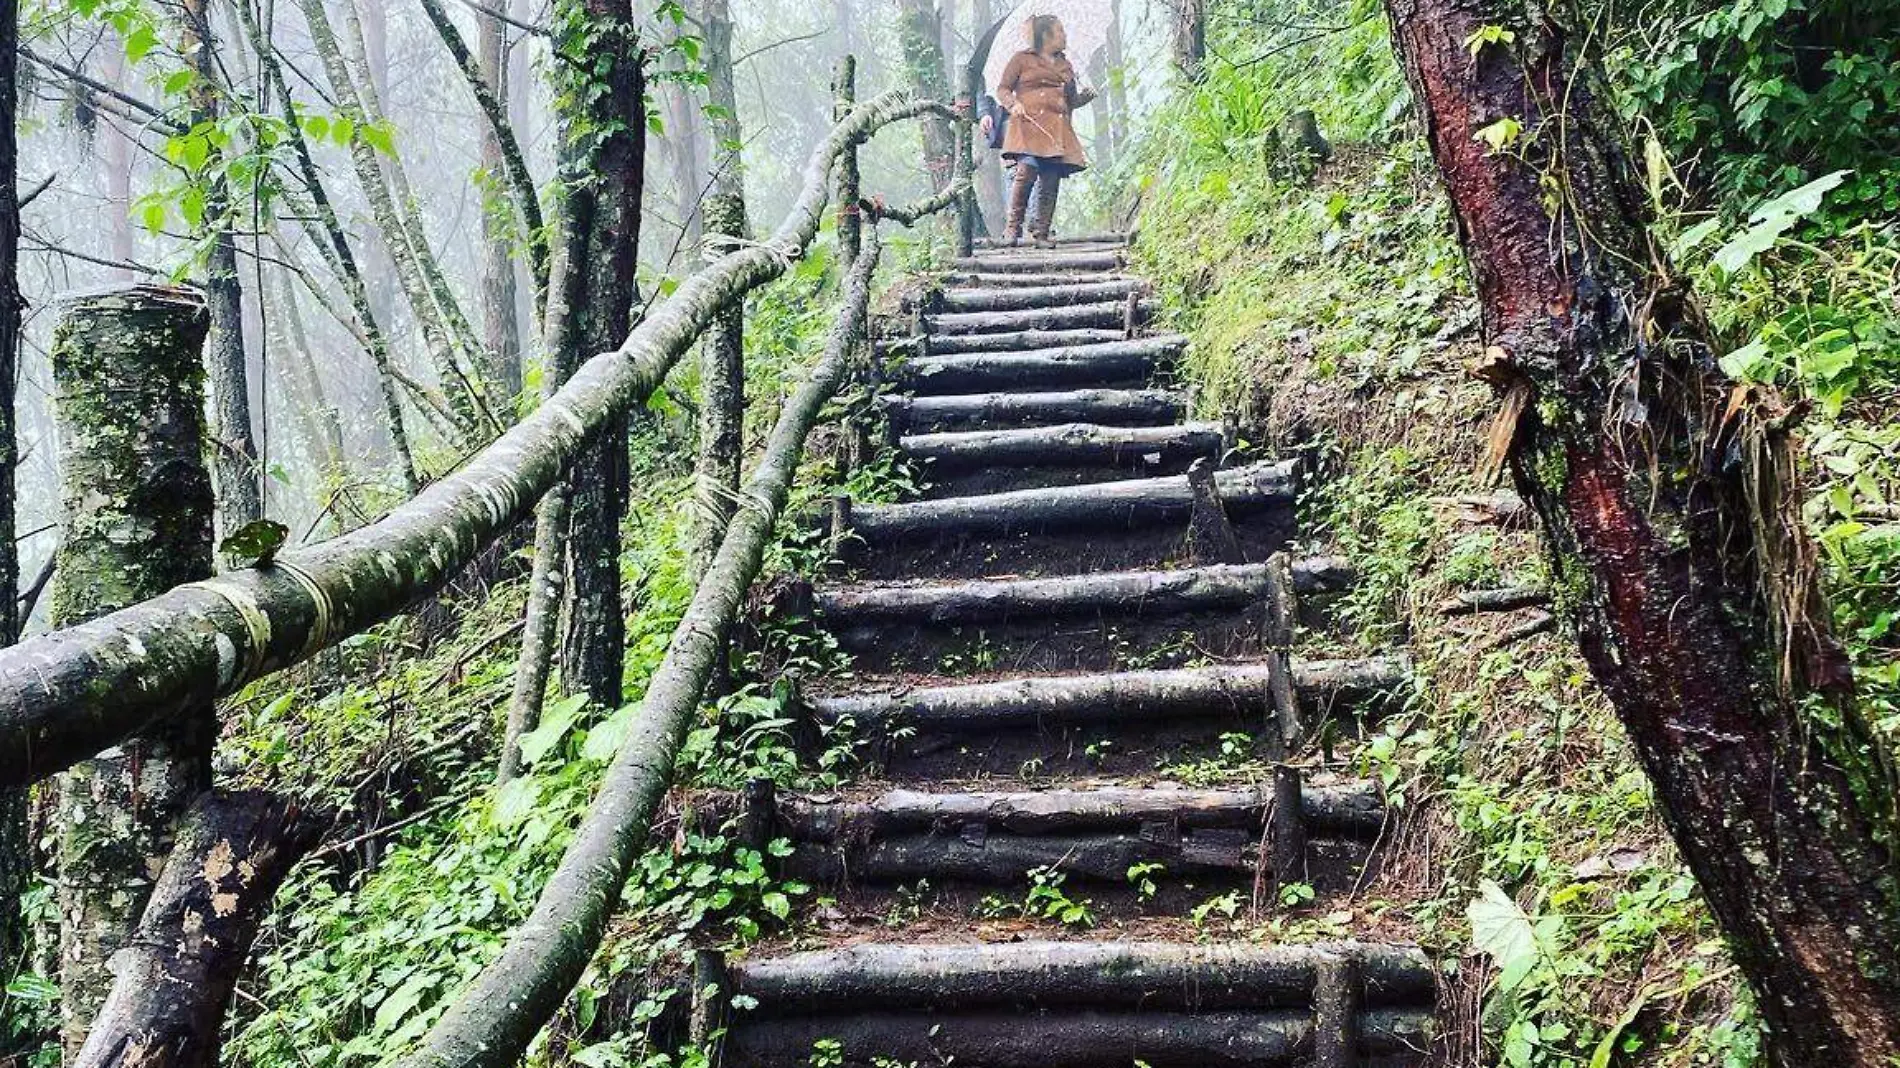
<point>1045,216</point>
<point>1019,190</point>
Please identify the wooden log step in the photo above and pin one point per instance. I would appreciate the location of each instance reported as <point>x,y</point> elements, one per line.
<point>1052,296</point>
<point>1104,407</point>
<point>1072,444</point>
<point>1192,589</point>
<point>1019,262</point>
<point>1026,279</point>
<point>1158,976</point>
<point>1103,316</point>
<point>1127,503</point>
<point>1010,341</point>
<point>1110,698</point>
<point>1386,1038</point>
<point>1117,239</point>
<point>1115,361</point>
<point>1351,809</point>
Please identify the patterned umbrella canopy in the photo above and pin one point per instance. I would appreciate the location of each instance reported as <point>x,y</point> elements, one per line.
<point>1086,21</point>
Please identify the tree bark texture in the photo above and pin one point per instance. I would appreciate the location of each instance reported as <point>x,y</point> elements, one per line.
<point>844,97</point>
<point>322,426</point>
<point>1017,299</point>
<point>1190,36</point>
<point>920,40</point>
<point>501,322</point>
<point>722,354</point>
<point>492,1020</point>
<point>16,857</point>
<point>67,695</point>
<point>177,972</point>
<point>593,641</point>
<point>235,470</point>
<point>1670,510</point>
<point>138,522</point>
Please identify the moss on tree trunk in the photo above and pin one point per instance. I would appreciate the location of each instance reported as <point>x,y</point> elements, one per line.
<point>137,500</point>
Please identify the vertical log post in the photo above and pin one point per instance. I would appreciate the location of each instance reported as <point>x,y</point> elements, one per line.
<point>1336,1014</point>
<point>712,995</point>
<point>1286,831</point>
<point>138,521</point>
<point>1211,538</point>
<point>758,820</point>
<point>844,91</point>
<point>177,973</point>
<point>1288,731</point>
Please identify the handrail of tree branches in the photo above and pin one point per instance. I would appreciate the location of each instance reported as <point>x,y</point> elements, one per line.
<point>494,1018</point>
<point>67,695</point>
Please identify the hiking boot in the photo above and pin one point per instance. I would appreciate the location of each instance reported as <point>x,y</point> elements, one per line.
<point>1019,193</point>
<point>1046,191</point>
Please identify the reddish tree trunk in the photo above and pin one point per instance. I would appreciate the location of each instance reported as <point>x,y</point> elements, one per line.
<point>1670,510</point>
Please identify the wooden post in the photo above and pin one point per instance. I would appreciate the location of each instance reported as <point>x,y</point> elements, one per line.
<point>712,994</point>
<point>1286,831</point>
<point>1288,732</point>
<point>1336,1014</point>
<point>1211,538</point>
<point>844,91</point>
<point>138,521</point>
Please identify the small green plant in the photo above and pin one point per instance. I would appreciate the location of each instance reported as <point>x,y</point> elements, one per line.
<point>1225,906</point>
<point>1048,900</point>
<point>1142,877</point>
<point>1297,895</point>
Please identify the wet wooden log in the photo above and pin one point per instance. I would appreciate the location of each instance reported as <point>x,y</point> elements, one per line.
<point>1157,976</point>
<point>1054,261</point>
<point>1352,809</point>
<point>1108,315</point>
<point>1182,590</point>
<point>1109,698</point>
<point>1127,503</point>
<point>176,974</point>
<point>1508,599</point>
<point>998,280</point>
<point>1114,362</point>
<point>1078,1039</point>
<point>1012,341</point>
<point>1287,831</point>
<point>1336,1022</point>
<point>1103,407</point>
<point>1054,296</point>
<point>1074,444</point>
<point>974,855</point>
<point>1115,239</point>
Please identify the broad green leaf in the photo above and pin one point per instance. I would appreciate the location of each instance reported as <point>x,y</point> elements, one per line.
<point>1500,930</point>
<point>256,543</point>
<point>397,1006</point>
<point>556,721</point>
<point>604,740</point>
<point>516,801</point>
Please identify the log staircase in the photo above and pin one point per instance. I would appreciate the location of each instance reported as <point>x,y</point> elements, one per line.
<point>1090,591</point>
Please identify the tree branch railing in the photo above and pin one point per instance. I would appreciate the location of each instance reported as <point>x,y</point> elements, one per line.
<point>67,695</point>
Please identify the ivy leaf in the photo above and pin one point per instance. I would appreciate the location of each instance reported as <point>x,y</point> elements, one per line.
<point>255,544</point>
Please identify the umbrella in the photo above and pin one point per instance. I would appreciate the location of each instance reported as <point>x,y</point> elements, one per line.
<point>1086,22</point>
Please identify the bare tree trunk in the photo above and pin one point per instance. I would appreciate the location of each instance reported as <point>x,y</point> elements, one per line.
<point>684,143</point>
<point>177,973</point>
<point>921,39</point>
<point>315,414</point>
<point>326,232</point>
<point>138,522</point>
<point>116,147</point>
<point>235,470</point>
<point>722,354</point>
<point>1670,507</point>
<point>844,95</point>
<point>501,327</point>
<point>989,169</point>
<point>593,646</point>
<point>16,855</point>
<point>1190,36</point>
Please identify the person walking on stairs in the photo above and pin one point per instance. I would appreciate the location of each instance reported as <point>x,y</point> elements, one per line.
<point>1039,91</point>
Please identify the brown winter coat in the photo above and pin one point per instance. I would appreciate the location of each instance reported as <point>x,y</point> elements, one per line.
<point>1046,87</point>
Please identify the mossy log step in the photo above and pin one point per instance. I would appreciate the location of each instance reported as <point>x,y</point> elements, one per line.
<point>1102,316</point>
<point>1023,280</point>
<point>1020,262</point>
<point>1126,504</point>
<point>1107,238</point>
<point>1075,365</point>
<point>1078,1039</point>
<point>1051,296</point>
<point>1158,976</point>
<point>968,411</point>
<point>1011,341</point>
<point>1072,444</point>
<point>1351,808</point>
<point>1190,589</point>
<point>1056,700</point>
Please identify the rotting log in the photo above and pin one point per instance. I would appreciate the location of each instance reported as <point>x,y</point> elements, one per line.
<point>1069,444</point>
<point>1670,503</point>
<point>1350,808</point>
<point>177,973</point>
<point>137,502</point>
<point>491,1021</point>
<point>1149,593</point>
<point>1073,1039</point>
<point>1077,1039</point>
<point>69,694</point>
<point>1057,261</point>
<point>1116,361</point>
<point>1505,599</point>
<point>1103,407</point>
<point>1100,316</point>
<point>1128,503</point>
<point>1014,341</point>
<point>1028,297</point>
<point>1157,976</point>
<point>1114,698</point>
